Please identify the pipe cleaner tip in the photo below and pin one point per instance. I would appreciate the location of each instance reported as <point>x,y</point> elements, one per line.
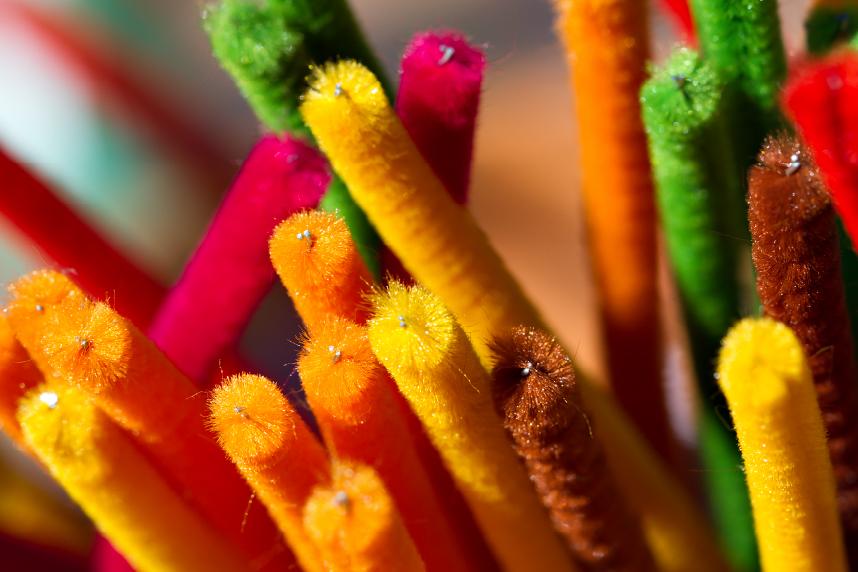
<point>785,188</point>
<point>88,344</point>
<point>531,365</point>
<point>765,351</point>
<point>337,365</point>
<point>251,418</point>
<point>333,84</point>
<point>444,53</point>
<point>59,420</point>
<point>410,327</point>
<point>355,510</point>
<point>41,288</point>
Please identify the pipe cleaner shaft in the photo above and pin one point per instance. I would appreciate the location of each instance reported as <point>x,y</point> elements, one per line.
<point>799,281</point>
<point>116,486</point>
<point>319,265</point>
<point>18,374</point>
<point>89,346</point>
<point>356,525</point>
<point>275,452</point>
<point>352,398</point>
<point>436,370</point>
<point>230,272</point>
<point>535,393</point>
<point>682,111</point>
<point>71,243</point>
<point>742,42</point>
<point>607,46</point>
<point>370,149</point>
<point>763,372</point>
<point>440,81</point>
<point>267,49</point>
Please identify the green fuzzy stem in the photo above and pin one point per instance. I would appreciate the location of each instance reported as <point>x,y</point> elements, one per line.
<point>696,190</point>
<point>268,49</point>
<point>741,40</point>
<point>828,26</point>
<point>266,57</point>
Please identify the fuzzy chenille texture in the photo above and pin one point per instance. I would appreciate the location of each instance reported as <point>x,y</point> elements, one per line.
<point>275,452</point>
<point>438,372</point>
<point>354,401</point>
<point>696,193</point>
<point>536,395</point>
<point>86,345</point>
<point>118,487</point>
<point>796,253</point>
<point>765,376</point>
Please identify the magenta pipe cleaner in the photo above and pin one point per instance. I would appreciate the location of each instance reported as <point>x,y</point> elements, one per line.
<point>439,94</point>
<point>230,272</point>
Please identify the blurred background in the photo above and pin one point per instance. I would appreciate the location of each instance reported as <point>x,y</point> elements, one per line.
<point>120,106</point>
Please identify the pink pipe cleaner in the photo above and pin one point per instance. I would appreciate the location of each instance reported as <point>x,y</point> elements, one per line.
<point>438,99</point>
<point>230,272</point>
<point>105,558</point>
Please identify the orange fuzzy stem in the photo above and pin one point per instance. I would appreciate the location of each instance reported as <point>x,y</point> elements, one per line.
<point>354,401</point>
<point>356,525</point>
<point>18,374</point>
<point>274,451</point>
<point>318,263</point>
<point>35,298</point>
<point>607,47</point>
<point>89,346</point>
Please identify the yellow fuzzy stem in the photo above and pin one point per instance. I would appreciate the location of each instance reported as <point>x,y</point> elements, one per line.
<point>439,374</point>
<point>436,240</point>
<point>765,377</point>
<point>356,525</point>
<point>109,478</point>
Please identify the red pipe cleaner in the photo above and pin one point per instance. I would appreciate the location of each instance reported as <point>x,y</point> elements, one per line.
<point>230,272</point>
<point>821,97</point>
<point>132,92</point>
<point>438,99</point>
<point>69,241</point>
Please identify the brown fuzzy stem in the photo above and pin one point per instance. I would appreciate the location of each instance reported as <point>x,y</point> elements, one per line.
<point>533,383</point>
<point>795,251</point>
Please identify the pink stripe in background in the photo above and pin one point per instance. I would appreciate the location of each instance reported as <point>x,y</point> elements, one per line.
<point>230,272</point>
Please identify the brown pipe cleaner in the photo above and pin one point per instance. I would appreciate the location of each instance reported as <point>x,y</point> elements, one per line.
<point>534,389</point>
<point>795,251</point>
